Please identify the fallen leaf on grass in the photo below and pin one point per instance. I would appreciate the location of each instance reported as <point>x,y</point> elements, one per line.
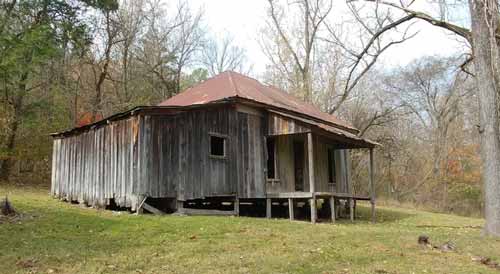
<point>29,263</point>
<point>486,261</point>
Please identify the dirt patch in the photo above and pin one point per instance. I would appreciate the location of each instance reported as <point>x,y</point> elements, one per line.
<point>8,214</point>
<point>15,219</point>
<point>423,240</point>
<point>486,261</point>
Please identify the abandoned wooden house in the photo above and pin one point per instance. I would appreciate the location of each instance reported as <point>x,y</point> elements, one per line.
<point>228,143</point>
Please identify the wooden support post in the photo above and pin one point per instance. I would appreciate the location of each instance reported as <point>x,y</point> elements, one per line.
<point>237,206</point>
<point>141,199</point>
<point>268,207</point>
<point>351,208</point>
<point>314,215</point>
<point>180,206</point>
<point>290,209</point>
<point>310,158</point>
<point>152,209</point>
<point>332,208</point>
<point>372,186</point>
<point>355,206</point>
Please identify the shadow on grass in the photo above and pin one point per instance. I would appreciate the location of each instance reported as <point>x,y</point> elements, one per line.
<point>382,215</point>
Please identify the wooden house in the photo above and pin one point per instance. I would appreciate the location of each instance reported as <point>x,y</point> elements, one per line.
<point>229,139</point>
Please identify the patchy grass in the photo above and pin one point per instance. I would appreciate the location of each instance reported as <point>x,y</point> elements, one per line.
<point>65,238</point>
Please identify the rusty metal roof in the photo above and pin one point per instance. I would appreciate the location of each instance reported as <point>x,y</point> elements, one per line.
<point>231,85</point>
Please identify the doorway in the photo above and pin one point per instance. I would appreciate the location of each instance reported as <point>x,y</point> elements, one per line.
<point>298,151</point>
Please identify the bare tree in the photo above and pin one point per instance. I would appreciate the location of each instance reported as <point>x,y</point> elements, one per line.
<point>168,46</point>
<point>370,47</point>
<point>109,35</point>
<point>433,90</point>
<point>295,46</point>
<point>326,67</point>
<point>131,21</point>
<point>220,56</point>
<point>189,37</point>
<point>483,38</point>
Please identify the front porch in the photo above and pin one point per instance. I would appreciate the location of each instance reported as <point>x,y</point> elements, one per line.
<point>332,198</point>
<point>309,161</point>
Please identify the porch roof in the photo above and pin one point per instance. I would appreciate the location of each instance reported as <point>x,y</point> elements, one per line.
<point>343,138</point>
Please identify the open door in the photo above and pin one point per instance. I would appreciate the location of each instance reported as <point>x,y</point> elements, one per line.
<point>298,152</point>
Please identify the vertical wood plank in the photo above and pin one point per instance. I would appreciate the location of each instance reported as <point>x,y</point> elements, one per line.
<point>290,209</point>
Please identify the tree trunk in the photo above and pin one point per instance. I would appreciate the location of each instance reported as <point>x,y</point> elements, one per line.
<point>484,20</point>
<point>7,164</point>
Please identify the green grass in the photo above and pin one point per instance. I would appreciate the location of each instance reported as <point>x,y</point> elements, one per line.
<point>65,238</point>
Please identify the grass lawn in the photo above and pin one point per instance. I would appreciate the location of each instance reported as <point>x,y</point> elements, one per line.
<point>65,238</point>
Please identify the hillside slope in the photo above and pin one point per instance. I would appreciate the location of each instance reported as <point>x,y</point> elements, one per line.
<point>57,237</point>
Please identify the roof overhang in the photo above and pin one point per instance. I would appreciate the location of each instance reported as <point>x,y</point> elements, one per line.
<point>135,111</point>
<point>343,139</point>
<point>345,136</point>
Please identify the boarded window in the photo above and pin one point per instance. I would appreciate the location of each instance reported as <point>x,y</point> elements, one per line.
<point>217,146</point>
<point>331,166</point>
<point>271,158</point>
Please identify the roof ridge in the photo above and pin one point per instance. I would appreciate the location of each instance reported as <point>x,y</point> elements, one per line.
<point>230,84</point>
<point>233,83</point>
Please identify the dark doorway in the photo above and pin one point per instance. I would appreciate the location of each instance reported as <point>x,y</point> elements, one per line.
<point>298,150</point>
<point>271,159</point>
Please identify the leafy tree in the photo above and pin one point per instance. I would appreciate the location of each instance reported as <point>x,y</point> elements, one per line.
<point>32,34</point>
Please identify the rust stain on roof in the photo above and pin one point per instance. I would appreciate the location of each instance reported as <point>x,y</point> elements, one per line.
<point>231,84</point>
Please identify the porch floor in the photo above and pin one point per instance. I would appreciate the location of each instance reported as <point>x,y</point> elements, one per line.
<point>313,196</point>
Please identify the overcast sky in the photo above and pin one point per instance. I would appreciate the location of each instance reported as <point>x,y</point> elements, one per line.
<point>243,19</point>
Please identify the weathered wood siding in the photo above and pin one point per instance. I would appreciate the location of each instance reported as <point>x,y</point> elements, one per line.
<point>285,165</point>
<point>168,155</point>
<point>97,165</point>
<point>251,160</point>
<point>286,168</point>
<point>176,161</point>
<point>162,155</point>
<point>281,125</point>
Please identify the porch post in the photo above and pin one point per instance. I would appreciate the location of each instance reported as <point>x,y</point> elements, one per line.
<point>237,206</point>
<point>268,208</point>
<point>310,158</point>
<point>372,186</point>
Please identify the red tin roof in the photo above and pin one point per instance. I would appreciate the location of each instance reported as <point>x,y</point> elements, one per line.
<point>230,85</point>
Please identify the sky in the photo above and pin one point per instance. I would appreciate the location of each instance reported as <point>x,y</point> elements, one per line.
<point>243,19</point>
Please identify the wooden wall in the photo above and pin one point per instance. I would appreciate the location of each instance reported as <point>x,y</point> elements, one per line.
<point>163,155</point>
<point>281,125</point>
<point>285,165</point>
<point>176,160</point>
<point>167,155</point>
<point>97,165</point>
<point>251,162</point>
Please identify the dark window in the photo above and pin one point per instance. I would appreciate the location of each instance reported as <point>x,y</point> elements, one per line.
<point>217,146</point>
<point>271,159</point>
<point>331,166</point>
